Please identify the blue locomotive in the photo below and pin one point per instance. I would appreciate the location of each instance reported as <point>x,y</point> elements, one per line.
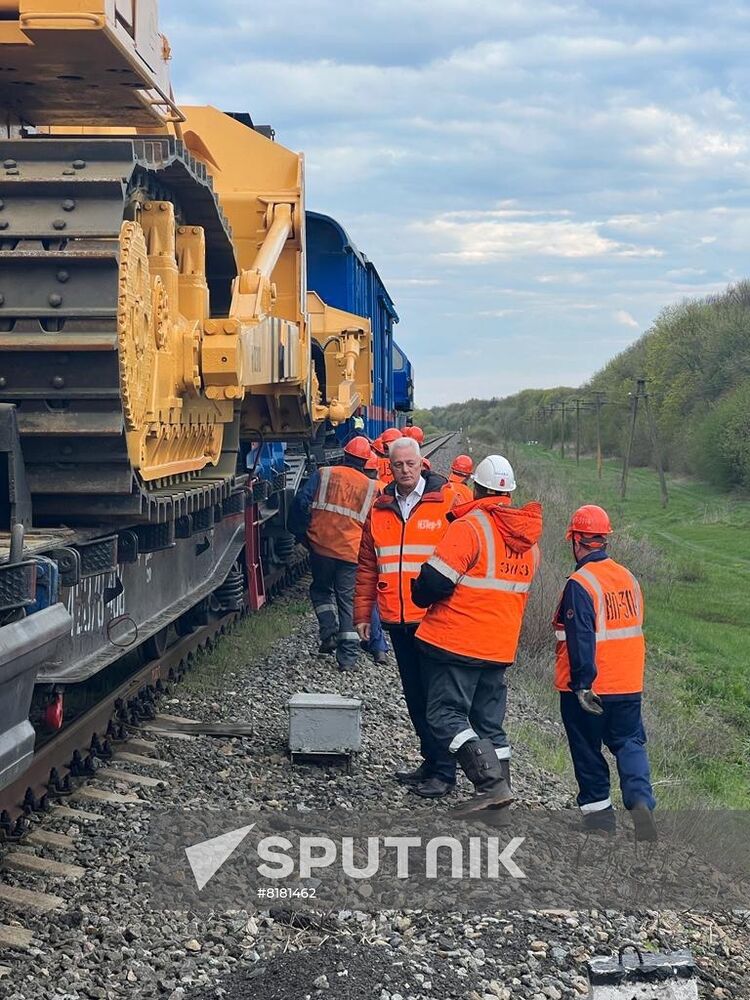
<point>343,276</point>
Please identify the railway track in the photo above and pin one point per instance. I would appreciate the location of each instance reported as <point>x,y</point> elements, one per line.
<point>72,754</point>
<point>72,775</point>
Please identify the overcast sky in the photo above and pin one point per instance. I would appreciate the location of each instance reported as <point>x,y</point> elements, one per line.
<point>533,180</point>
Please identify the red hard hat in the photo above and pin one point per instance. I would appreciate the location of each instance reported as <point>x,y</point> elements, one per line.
<point>415,432</point>
<point>378,446</point>
<point>589,520</point>
<point>463,465</point>
<point>426,464</point>
<point>372,462</point>
<point>359,447</point>
<point>392,434</point>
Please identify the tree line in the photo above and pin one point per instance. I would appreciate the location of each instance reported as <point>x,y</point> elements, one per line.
<point>695,359</point>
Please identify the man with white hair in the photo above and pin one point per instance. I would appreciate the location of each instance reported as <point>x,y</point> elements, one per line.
<point>403,528</point>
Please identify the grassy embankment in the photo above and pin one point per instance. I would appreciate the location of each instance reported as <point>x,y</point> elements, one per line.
<point>693,559</point>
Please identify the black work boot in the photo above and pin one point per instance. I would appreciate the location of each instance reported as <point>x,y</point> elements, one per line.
<point>328,645</point>
<point>643,822</point>
<point>380,657</point>
<point>432,788</point>
<point>414,776</point>
<point>603,821</point>
<point>478,758</point>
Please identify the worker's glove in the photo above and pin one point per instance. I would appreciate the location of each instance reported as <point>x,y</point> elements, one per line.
<point>590,702</point>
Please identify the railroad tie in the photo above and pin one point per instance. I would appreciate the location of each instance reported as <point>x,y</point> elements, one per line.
<point>75,815</point>
<point>134,745</point>
<point>20,861</point>
<point>112,798</point>
<point>25,899</point>
<point>115,774</point>
<point>48,838</point>
<point>136,758</point>
<point>15,937</point>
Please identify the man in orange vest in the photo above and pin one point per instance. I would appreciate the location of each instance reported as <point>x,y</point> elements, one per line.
<point>331,511</point>
<point>476,586</point>
<point>461,470</point>
<point>600,662</point>
<point>404,526</point>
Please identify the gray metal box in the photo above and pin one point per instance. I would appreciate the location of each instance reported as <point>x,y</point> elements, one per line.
<point>324,723</point>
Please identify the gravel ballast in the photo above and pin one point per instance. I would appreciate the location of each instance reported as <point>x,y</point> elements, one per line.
<point>109,942</point>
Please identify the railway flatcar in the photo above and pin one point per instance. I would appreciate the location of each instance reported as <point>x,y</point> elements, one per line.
<point>165,372</point>
<point>342,275</point>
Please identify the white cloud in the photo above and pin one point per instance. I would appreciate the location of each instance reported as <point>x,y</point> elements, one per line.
<point>478,237</point>
<point>623,317</point>
<point>500,153</point>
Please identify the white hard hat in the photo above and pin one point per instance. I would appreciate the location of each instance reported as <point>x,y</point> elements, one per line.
<point>495,473</point>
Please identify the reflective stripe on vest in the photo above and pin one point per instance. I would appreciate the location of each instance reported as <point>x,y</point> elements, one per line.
<point>491,581</point>
<point>320,502</point>
<point>602,632</point>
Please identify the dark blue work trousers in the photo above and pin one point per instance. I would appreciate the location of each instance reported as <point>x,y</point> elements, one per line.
<point>332,596</point>
<point>620,729</point>
<point>414,681</point>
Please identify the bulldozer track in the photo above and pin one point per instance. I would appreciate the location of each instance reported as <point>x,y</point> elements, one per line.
<point>62,204</point>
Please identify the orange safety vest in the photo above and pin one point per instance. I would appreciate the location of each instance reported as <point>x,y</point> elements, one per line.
<point>492,565</point>
<point>339,510</point>
<point>620,656</point>
<point>462,492</point>
<point>400,548</point>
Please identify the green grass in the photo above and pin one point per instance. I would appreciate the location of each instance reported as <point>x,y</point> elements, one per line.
<point>697,619</point>
<point>253,638</point>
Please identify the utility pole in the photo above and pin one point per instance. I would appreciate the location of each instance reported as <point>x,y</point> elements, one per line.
<point>626,461</point>
<point>578,401</point>
<point>598,404</point>
<point>562,404</point>
<point>641,394</point>
<point>656,447</point>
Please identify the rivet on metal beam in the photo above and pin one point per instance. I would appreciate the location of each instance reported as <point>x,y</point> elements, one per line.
<point>68,173</point>
<point>3,381</point>
<point>63,276</point>
<point>78,164</point>
<point>55,299</point>
<point>9,163</point>
<point>4,223</point>
<point>12,171</point>
<point>58,382</point>
<point>68,205</point>
<point>59,223</point>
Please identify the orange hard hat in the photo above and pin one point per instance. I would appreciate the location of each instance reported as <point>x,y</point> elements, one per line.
<point>392,434</point>
<point>415,432</point>
<point>426,464</point>
<point>378,446</point>
<point>372,462</point>
<point>462,465</point>
<point>358,447</point>
<point>589,520</point>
